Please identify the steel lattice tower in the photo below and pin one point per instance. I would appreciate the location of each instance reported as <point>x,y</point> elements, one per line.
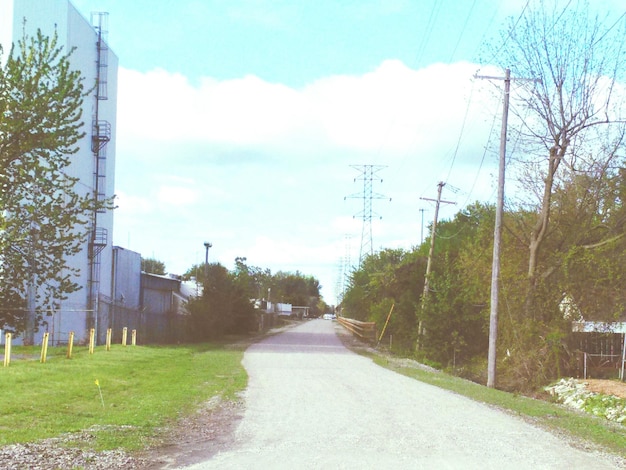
<point>344,271</point>
<point>368,174</point>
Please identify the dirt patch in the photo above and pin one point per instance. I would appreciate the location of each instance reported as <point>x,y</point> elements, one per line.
<point>195,438</point>
<point>607,387</point>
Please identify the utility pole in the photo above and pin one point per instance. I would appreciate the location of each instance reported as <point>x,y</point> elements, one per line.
<point>433,231</point>
<point>207,245</point>
<point>422,230</point>
<point>497,237</point>
<point>497,233</point>
<point>438,201</point>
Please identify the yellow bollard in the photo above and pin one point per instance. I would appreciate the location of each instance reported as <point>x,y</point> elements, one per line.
<point>44,348</point>
<point>7,349</point>
<point>124,336</point>
<point>109,332</point>
<point>92,340</point>
<point>134,337</point>
<point>70,345</point>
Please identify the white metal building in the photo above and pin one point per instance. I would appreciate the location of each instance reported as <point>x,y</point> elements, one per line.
<point>94,164</point>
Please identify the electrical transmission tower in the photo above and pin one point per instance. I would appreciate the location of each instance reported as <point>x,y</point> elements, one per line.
<point>368,174</point>
<point>344,272</point>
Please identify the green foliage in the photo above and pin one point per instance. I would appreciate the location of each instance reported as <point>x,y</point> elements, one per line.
<point>295,289</point>
<point>388,278</point>
<point>44,219</point>
<point>152,266</point>
<point>573,141</point>
<point>224,306</point>
<point>253,280</point>
<point>532,344</point>
<point>454,317</point>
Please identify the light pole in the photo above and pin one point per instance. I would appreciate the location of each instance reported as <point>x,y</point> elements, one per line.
<point>207,245</point>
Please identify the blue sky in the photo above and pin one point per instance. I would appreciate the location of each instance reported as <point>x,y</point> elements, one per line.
<point>295,42</point>
<point>239,122</point>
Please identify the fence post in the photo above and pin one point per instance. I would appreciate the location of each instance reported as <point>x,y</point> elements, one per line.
<point>70,345</point>
<point>7,349</point>
<point>623,358</point>
<point>92,339</point>
<point>124,335</point>
<point>134,337</point>
<point>109,332</point>
<point>44,348</point>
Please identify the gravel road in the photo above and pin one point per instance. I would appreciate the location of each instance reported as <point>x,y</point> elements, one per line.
<point>311,403</point>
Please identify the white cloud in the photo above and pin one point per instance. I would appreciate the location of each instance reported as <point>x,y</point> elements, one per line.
<point>261,170</point>
<point>177,195</point>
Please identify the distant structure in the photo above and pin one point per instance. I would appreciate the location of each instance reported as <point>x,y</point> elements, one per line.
<point>94,163</point>
<point>368,174</point>
<point>344,270</point>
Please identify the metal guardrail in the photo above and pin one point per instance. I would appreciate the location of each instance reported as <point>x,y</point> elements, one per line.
<point>363,330</point>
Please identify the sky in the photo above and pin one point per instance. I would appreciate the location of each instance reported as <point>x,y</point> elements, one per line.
<point>249,123</point>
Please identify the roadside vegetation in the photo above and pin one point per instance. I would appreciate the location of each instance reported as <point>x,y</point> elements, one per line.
<point>225,305</point>
<point>563,250</point>
<point>124,398</point>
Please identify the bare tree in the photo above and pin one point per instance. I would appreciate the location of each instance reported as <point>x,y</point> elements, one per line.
<point>570,118</point>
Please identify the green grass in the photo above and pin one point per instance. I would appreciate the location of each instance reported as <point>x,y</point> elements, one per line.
<point>552,416</point>
<point>143,389</point>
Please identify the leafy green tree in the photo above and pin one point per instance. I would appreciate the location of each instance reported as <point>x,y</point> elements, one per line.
<point>44,216</point>
<point>152,266</point>
<point>224,306</point>
<point>391,278</point>
<point>254,280</point>
<point>196,272</point>
<point>296,289</point>
<point>455,315</point>
<point>591,219</point>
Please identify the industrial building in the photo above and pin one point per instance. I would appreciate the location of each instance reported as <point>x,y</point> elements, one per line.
<point>93,164</point>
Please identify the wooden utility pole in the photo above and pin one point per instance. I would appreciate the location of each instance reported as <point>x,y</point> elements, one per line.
<point>497,237</point>
<point>497,232</point>
<point>422,230</point>
<point>438,201</point>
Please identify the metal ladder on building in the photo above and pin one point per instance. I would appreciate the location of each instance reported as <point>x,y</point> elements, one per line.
<point>100,137</point>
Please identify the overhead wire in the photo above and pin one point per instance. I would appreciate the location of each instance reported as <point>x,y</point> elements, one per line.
<point>467,18</point>
<point>612,26</point>
<point>493,122</point>
<point>482,160</point>
<point>470,98</point>
<point>432,21</point>
<point>469,101</point>
<point>458,141</point>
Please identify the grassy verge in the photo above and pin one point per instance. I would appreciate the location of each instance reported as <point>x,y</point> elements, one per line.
<point>557,418</point>
<point>139,390</point>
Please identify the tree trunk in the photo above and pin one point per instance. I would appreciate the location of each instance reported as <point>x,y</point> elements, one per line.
<point>540,230</point>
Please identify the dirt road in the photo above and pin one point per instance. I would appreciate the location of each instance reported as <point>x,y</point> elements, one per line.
<point>313,404</point>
